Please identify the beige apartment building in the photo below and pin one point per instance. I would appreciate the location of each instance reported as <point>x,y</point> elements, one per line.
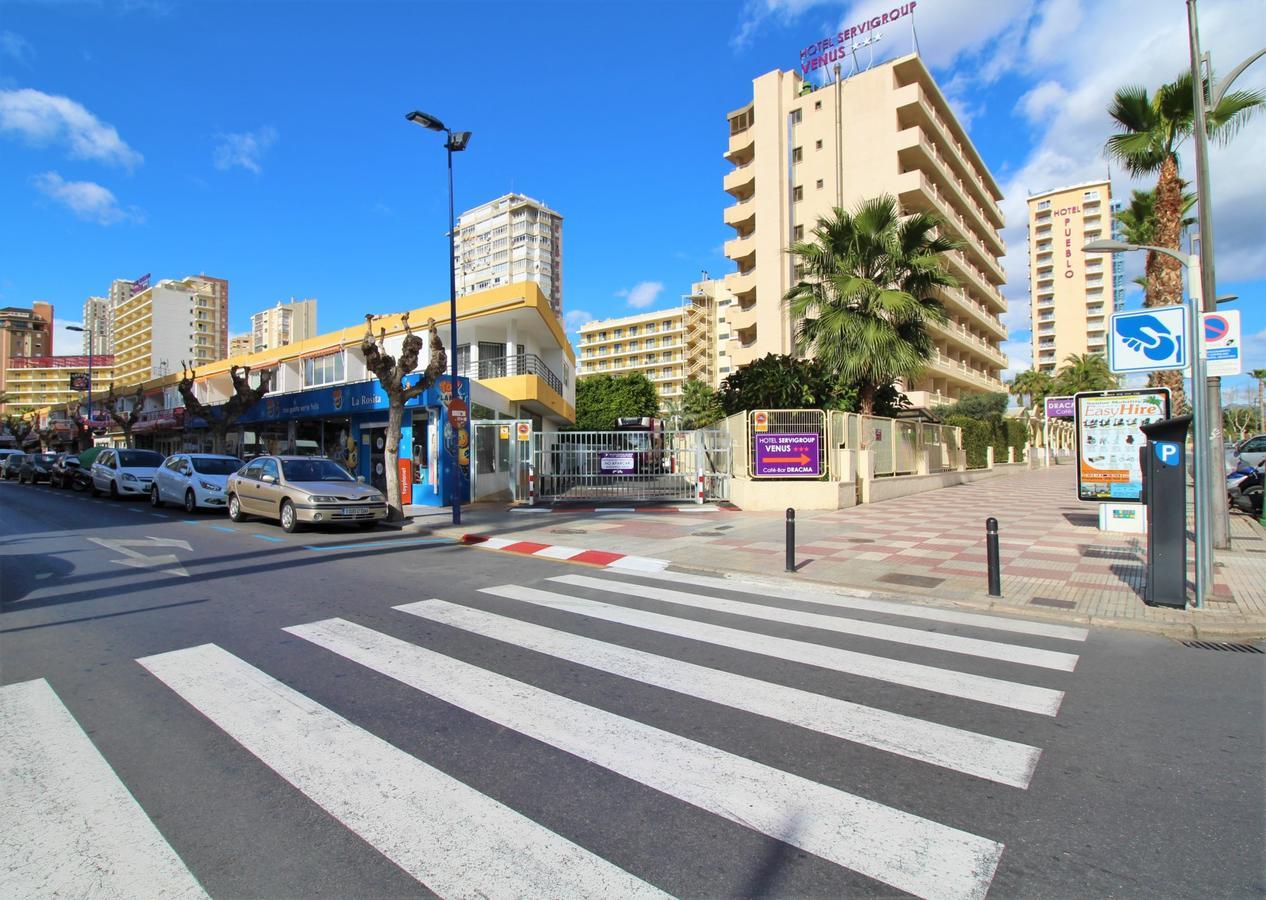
<point>23,333</point>
<point>38,381</point>
<point>1072,292</point>
<point>799,151</point>
<point>285,323</point>
<point>508,240</point>
<point>98,335</point>
<point>161,326</point>
<point>668,346</point>
<point>241,345</point>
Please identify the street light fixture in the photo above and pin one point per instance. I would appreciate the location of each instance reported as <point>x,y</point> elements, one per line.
<point>457,141</point>
<point>1199,410</point>
<point>88,331</point>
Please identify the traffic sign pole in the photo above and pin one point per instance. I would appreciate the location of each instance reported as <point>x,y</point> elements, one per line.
<point>1200,422</point>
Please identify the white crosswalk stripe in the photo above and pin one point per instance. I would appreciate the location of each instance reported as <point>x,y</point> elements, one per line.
<point>1032,656</point>
<point>983,689</point>
<point>472,845</point>
<point>897,848</point>
<point>964,751</point>
<point>71,828</point>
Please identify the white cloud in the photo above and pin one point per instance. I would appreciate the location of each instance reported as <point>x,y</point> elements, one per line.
<point>44,119</point>
<point>575,319</point>
<point>757,12</point>
<point>69,343</point>
<point>642,294</point>
<point>86,199</point>
<point>244,149</point>
<point>1020,353</point>
<point>16,47</point>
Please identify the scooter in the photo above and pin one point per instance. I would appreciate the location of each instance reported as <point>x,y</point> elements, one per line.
<point>1246,493</point>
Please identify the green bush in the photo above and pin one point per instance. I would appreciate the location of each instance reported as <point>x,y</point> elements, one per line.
<point>994,431</point>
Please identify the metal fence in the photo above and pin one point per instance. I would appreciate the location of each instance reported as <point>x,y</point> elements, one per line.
<point>667,466</point>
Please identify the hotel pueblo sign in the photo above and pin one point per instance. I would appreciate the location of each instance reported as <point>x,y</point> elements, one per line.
<point>836,47</point>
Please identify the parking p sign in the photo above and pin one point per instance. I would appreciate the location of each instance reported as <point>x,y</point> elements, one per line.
<point>1167,452</point>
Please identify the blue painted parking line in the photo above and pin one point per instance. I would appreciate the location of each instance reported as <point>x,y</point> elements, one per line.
<point>268,537</point>
<point>225,528</point>
<point>399,542</point>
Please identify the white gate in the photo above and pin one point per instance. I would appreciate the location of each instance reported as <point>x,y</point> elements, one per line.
<point>667,466</point>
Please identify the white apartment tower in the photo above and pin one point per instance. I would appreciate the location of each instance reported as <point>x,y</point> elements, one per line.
<point>797,151</point>
<point>98,326</point>
<point>285,323</point>
<point>163,325</point>
<point>513,238</point>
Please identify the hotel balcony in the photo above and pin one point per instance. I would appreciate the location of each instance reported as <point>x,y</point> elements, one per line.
<point>957,334</point>
<point>915,108</point>
<point>957,370</point>
<point>522,378</point>
<point>742,147</point>
<point>742,285</point>
<point>958,302</point>
<point>741,182</point>
<point>741,216</point>
<point>742,250</point>
<point>918,192</point>
<point>970,276</point>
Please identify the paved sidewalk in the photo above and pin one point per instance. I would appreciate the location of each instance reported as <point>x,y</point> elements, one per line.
<point>929,547</point>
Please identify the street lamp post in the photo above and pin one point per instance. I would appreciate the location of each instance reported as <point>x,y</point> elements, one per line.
<point>1212,387</point>
<point>1199,409</point>
<point>89,332</point>
<point>457,141</point>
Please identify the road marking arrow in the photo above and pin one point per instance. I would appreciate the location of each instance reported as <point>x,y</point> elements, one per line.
<point>164,562</point>
<point>802,459</point>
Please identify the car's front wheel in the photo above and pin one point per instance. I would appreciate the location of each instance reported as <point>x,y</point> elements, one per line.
<point>235,509</point>
<point>289,520</point>
<point>155,500</point>
<point>114,491</point>
<point>191,502</point>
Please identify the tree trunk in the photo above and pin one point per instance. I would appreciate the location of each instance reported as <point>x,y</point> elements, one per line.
<point>866,399</point>
<point>1164,285</point>
<point>127,437</point>
<point>391,455</point>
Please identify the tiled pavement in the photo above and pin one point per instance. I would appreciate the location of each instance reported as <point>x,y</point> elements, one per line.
<point>1055,561</point>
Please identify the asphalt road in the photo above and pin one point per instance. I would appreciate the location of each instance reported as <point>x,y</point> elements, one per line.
<point>513,734</point>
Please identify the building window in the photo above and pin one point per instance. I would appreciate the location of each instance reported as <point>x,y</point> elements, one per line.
<point>819,184</point>
<point>817,145</point>
<point>817,104</point>
<point>320,370</point>
<point>797,154</point>
<point>797,233</point>
<point>796,117</point>
<point>797,193</point>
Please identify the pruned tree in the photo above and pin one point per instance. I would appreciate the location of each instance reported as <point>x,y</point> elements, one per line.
<point>391,375</point>
<point>19,426</point>
<point>125,420</point>
<point>221,417</point>
<point>83,432</point>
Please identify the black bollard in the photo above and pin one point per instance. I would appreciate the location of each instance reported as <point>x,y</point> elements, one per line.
<point>791,539</point>
<point>991,551</point>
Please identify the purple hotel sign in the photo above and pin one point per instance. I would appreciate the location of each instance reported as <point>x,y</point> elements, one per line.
<point>788,455</point>
<point>1060,407</point>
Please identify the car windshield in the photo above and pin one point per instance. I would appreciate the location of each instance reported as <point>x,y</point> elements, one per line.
<point>314,470</point>
<point>213,465</point>
<point>139,458</point>
<point>44,457</point>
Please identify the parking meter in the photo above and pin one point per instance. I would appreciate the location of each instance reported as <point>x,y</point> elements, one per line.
<point>1163,460</point>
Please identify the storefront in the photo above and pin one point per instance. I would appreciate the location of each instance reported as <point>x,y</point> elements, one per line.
<point>348,423</point>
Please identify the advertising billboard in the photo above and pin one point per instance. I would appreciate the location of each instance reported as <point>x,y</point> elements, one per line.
<point>79,381</point>
<point>787,456</point>
<point>1108,441</point>
<point>1060,407</point>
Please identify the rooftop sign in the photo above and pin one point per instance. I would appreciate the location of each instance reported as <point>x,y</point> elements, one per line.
<point>837,46</point>
<point>140,284</point>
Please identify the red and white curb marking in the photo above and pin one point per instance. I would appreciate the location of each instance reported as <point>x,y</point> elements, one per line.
<point>602,558</point>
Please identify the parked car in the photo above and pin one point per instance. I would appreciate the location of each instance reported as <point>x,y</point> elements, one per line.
<point>64,468</point>
<point>1251,452</point>
<point>124,473</point>
<point>4,457</point>
<point>10,465</point>
<point>193,480</point>
<point>296,490</point>
<point>35,467</point>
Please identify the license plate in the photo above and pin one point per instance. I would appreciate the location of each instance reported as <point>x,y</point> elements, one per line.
<point>351,511</point>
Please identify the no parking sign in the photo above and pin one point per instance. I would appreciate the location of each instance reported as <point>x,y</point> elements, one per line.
<point>1222,343</point>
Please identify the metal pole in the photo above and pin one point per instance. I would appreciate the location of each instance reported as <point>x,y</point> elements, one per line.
<point>1219,516</point>
<point>90,437</point>
<point>991,552</point>
<point>791,539</point>
<point>452,334</point>
<point>1200,413</point>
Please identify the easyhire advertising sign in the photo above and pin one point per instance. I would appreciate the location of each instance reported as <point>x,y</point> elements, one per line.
<point>1108,441</point>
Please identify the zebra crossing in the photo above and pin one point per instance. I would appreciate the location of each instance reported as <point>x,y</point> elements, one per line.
<point>457,841</point>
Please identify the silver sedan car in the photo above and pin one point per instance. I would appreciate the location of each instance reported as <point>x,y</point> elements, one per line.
<point>298,490</point>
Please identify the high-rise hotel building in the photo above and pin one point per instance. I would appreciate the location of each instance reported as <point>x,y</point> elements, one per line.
<point>285,323</point>
<point>799,151</point>
<point>511,239</point>
<point>158,327</point>
<point>1072,292</point>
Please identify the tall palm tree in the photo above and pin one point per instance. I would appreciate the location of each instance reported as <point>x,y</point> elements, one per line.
<point>1150,131</point>
<point>866,301</point>
<point>1138,222</point>
<point>1084,372</point>
<point>1033,385</point>
<point>1260,375</point>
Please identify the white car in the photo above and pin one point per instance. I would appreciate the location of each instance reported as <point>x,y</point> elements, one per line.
<point>193,480</point>
<point>124,473</point>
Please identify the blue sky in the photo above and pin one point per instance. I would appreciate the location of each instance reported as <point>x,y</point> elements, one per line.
<point>266,142</point>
